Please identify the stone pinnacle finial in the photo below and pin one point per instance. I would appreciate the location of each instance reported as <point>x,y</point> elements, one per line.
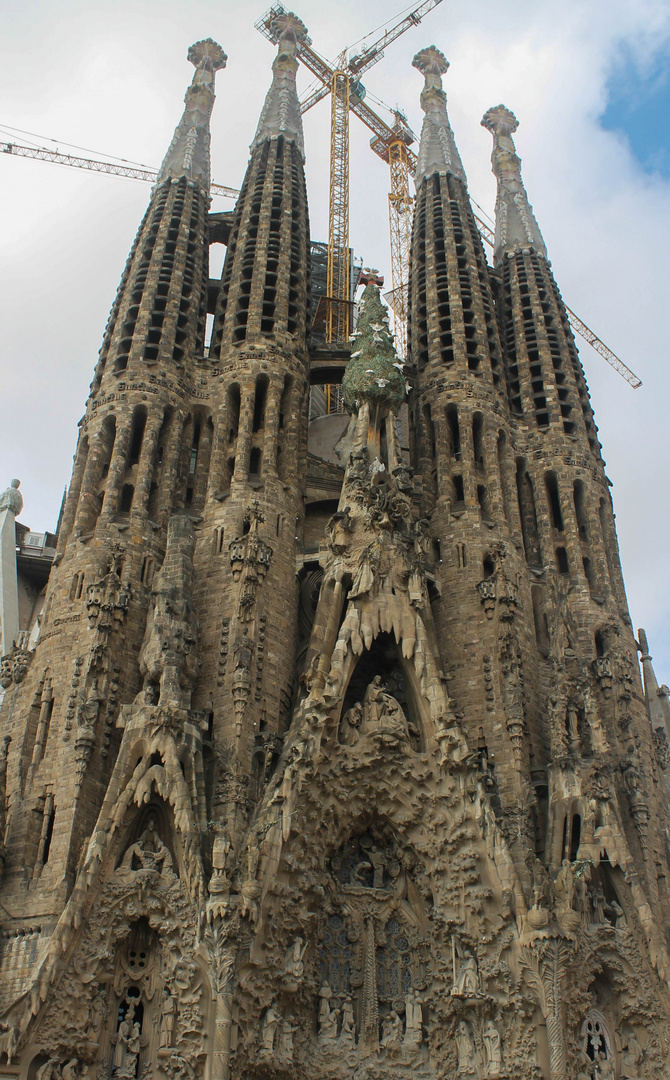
<point>437,148</point>
<point>516,227</point>
<point>188,154</point>
<point>208,54</point>
<point>12,499</point>
<point>281,111</point>
<point>288,25</point>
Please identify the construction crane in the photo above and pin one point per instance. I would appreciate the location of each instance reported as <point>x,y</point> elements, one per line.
<point>132,171</point>
<point>342,81</point>
<point>391,145</point>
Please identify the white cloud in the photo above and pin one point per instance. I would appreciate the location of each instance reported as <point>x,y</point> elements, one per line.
<point>113,77</point>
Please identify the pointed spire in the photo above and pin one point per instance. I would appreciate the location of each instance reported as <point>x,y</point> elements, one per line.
<point>373,374</point>
<point>516,227</point>
<point>656,696</point>
<point>281,111</point>
<point>188,154</point>
<point>437,149</point>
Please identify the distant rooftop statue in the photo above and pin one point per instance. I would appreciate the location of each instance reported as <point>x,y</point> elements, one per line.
<point>11,499</point>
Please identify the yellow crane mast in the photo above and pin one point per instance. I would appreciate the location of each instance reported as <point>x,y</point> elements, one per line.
<point>338,286</point>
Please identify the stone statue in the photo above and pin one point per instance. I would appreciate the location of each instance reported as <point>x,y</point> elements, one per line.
<point>585,1066</point>
<point>293,962</point>
<point>493,1049</point>
<point>168,1005</point>
<point>391,1030</point>
<point>271,1022</point>
<point>375,859</point>
<point>350,729</point>
<point>327,1016</point>
<point>12,499</point>
<point>604,1067</point>
<point>465,1047</point>
<point>49,1071</point>
<point>413,1019</point>
<point>631,1059</point>
<point>87,714</point>
<point>285,1047</point>
<point>348,1029</point>
<point>467,983</point>
<point>149,852</point>
<point>127,1046</point>
<point>564,887</point>
<point>598,901</point>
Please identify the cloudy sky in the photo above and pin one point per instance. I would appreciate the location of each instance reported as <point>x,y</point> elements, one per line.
<point>588,82</point>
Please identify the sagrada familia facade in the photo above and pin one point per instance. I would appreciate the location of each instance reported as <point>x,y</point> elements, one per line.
<point>333,767</point>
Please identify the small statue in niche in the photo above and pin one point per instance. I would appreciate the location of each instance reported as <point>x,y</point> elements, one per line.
<point>564,887</point>
<point>327,1016</point>
<point>148,852</point>
<point>585,1066</point>
<point>604,1067</point>
<point>465,1048</point>
<point>285,1045</point>
<point>493,1049</point>
<point>168,1008</point>
<point>467,981</point>
<point>632,1057</point>
<point>350,729</point>
<point>375,859</point>
<point>413,1019</point>
<point>338,531</point>
<point>271,1022</point>
<point>391,1030</point>
<point>127,1049</point>
<point>87,714</point>
<point>348,1029</point>
<point>540,883</point>
<point>294,967</point>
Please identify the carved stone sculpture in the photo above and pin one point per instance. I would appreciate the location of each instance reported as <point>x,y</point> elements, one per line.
<point>148,852</point>
<point>269,1028</point>
<point>465,1047</point>
<point>493,1049</point>
<point>327,1016</point>
<point>294,966</point>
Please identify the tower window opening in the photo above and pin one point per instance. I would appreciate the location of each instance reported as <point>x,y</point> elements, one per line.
<point>478,439</point>
<point>259,402</point>
<point>126,501</point>
<point>529,529</point>
<point>562,561</point>
<point>137,435</point>
<point>575,835</point>
<point>459,491</point>
<point>147,571</point>
<point>233,411</point>
<point>540,619</point>
<point>454,432</point>
<point>255,462</point>
<point>580,510</point>
<point>551,484</point>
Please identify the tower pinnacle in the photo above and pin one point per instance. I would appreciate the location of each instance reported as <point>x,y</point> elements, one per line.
<point>281,111</point>
<point>188,154</point>
<point>437,150</point>
<point>516,226</point>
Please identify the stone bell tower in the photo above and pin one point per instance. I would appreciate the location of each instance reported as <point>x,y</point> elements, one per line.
<point>333,762</point>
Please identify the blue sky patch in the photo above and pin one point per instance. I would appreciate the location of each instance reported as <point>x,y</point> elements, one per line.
<point>639,107</point>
